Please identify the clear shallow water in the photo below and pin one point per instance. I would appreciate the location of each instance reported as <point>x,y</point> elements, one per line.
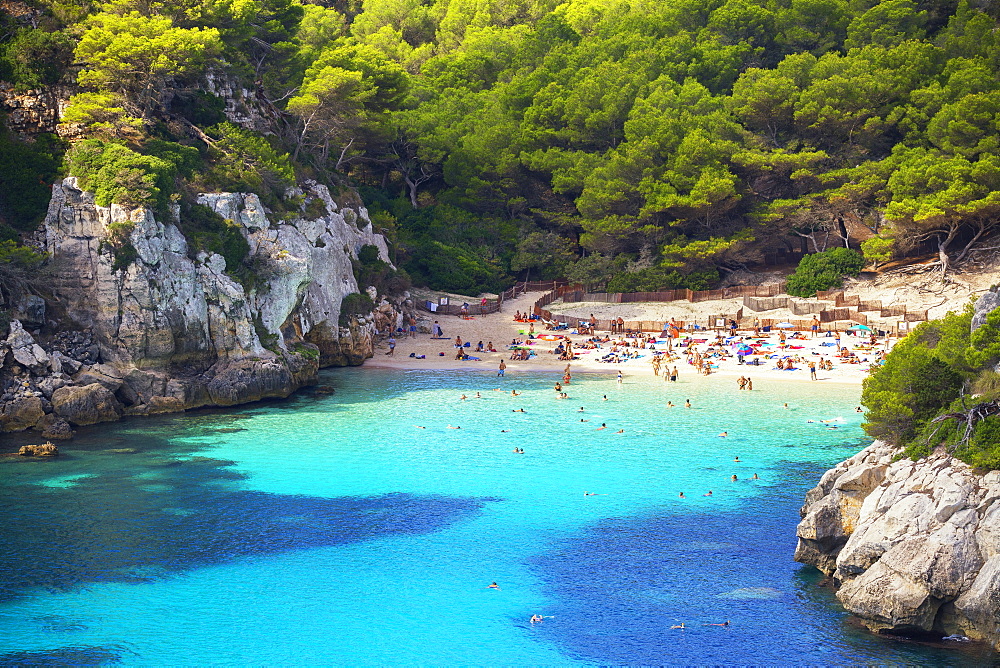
<point>330,529</point>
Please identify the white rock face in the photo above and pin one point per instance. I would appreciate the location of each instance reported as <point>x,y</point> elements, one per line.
<point>184,329</point>
<point>915,546</point>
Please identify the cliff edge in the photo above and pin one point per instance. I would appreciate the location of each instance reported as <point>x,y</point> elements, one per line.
<point>168,329</point>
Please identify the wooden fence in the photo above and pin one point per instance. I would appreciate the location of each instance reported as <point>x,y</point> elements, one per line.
<point>847,309</point>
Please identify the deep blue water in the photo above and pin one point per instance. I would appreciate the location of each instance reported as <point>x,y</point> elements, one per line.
<point>331,529</point>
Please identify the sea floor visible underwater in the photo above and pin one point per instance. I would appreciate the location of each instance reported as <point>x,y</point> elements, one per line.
<point>349,525</point>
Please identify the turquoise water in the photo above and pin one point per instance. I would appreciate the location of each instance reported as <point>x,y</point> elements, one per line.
<point>330,529</point>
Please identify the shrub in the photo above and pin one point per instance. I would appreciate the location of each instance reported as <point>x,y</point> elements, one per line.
<point>208,232</point>
<point>655,279</point>
<point>370,270</point>
<point>35,58</point>
<point>354,304</point>
<point>118,175</point>
<point>822,271</point>
<point>29,169</point>
<point>247,162</point>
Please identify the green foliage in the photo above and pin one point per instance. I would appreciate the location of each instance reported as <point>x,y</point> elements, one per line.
<point>370,270</point>
<point>822,271</point>
<point>20,271</point>
<point>208,232</point>
<point>654,279</point>
<point>119,242</point>
<point>119,175</point>
<point>878,249</point>
<point>26,179</point>
<point>134,56</point>
<point>354,304</point>
<point>246,162</point>
<point>35,58</point>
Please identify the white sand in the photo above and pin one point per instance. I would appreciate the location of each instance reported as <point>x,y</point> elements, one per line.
<point>500,328</point>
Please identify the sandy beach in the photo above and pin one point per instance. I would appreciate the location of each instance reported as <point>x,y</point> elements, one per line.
<point>501,328</point>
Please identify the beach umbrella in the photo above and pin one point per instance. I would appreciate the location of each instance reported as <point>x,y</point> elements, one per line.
<point>785,325</point>
<point>865,328</point>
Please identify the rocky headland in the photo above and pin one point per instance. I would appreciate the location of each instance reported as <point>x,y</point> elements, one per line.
<point>172,330</point>
<point>912,546</point>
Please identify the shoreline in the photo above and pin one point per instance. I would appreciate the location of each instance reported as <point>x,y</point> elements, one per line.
<point>501,329</point>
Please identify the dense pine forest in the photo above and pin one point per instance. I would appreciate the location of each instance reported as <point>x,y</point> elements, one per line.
<point>635,145</point>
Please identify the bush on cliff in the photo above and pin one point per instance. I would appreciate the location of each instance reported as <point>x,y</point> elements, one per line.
<point>208,232</point>
<point>822,271</point>
<point>29,170</point>
<point>922,395</point>
<point>354,304</point>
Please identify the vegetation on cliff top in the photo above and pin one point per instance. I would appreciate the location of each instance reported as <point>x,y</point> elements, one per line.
<point>623,142</point>
<point>938,387</point>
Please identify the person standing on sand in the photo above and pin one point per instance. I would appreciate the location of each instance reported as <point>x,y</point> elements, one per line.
<point>812,370</point>
<point>392,345</point>
<point>437,331</point>
<point>814,326</point>
<point>503,367</point>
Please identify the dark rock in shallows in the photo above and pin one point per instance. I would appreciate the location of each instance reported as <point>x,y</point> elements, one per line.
<point>21,414</point>
<point>54,427</point>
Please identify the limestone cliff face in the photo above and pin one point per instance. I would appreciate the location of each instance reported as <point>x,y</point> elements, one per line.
<point>914,546</point>
<point>167,331</point>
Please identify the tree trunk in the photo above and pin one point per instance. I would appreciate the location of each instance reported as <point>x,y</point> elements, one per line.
<point>943,248</point>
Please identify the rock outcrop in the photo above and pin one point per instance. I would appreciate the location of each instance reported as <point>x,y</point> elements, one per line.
<point>167,329</point>
<point>913,546</point>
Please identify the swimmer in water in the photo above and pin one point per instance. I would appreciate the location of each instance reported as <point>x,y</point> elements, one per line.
<point>681,495</point>
<point>536,618</point>
<point>725,623</point>
<point>708,493</point>
<point>450,427</point>
<point>620,431</point>
<point>737,459</point>
<point>687,404</point>
<point>670,404</point>
<point>582,420</point>
<point>755,477</point>
<point>678,626</point>
<point>504,431</point>
<point>419,427</point>
<point>605,397</point>
<point>581,409</point>
<point>514,393</point>
<point>590,493</point>
<point>724,434</point>
<point>493,586</point>
<point>603,426</point>
<point>519,410</point>
<point>785,406</point>
<point>734,477</point>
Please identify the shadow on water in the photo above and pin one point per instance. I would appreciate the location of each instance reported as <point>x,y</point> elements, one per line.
<point>702,569</point>
<point>67,656</point>
<point>128,524</point>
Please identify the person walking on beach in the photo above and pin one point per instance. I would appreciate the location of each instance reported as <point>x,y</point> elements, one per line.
<point>392,345</point>
<point>812,370</point>
<point>437,331</point>
<point>413,327</point>
<point>503,367</point>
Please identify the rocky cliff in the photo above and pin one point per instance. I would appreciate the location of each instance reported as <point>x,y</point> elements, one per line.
<point>172,330</point>
<point>913,546</point>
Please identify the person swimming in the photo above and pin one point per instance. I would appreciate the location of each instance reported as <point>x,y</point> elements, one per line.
<point>603,426</point>
<point>605,398</point>
<point>670,404</point>
<point>737,459</point>
<point>536,618</point>
<point>708,493</point>
<point>678,626</point>
<point>681,495</point>
<point>493,586</point>
<point>734,477</point>
<point>687,404</point>
<point>517,410</point>
<point>620,431</point>
<point>725,434</point>
<point>725,623</point>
